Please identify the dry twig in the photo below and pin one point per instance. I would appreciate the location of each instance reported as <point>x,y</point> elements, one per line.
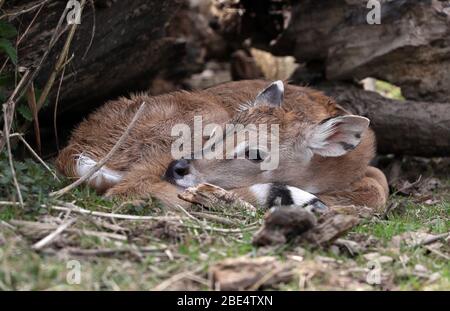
<point>35,154</point>
<point>52,236</point>
<point>31,99</point>
<point>60,63</point>
<point>432,239</point>
<point>80,210</point>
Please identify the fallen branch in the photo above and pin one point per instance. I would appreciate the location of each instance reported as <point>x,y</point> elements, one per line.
<point>8,203</point>
<point>7,225</point>
<point>107,252</point>
<point>432,239</point>
<point>77,209</point>
<point>104,160</point>
<point>176,278</point>
<point>222,230</point>
<point>215,218</point>
<point>80,210</point>
<point>52,236</point>
<point>33,226</point>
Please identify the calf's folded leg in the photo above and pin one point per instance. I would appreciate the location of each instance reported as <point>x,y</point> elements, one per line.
<point>371,191</point>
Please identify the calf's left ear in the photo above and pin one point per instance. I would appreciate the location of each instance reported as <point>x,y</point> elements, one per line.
<point>271,95</point>
<point>335,137</point>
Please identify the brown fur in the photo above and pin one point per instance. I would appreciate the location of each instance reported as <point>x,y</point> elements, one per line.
<point>145,155</point>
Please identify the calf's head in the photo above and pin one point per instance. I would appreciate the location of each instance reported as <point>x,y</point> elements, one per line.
<point>265,143</point>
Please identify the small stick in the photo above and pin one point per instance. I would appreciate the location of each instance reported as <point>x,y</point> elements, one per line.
<point>215,218</point>
<point>35,154</point>
<point>77,209</point>
<point>59,64</point>
<point>22,11</point>
<point>265,278</point>
<point>188,215</point>
<point>432,239</point>
<point>6,203</point>
<point>104,160</point>
<point>11,164</point>
<point>435,251</point>
<point>52,236</point>
<point>50,227</point>
<point>55,110</point>
<point>7,225</point>
<point>29,25</point>
<point>8,110</point>
<point>175,278</point>
<point>223,230</point>
<point>31,99</point>
<point>80,210</point>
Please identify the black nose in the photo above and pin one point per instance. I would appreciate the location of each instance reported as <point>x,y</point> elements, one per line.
<point>177,169</point>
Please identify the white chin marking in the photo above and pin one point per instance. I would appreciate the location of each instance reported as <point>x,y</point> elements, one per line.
<point>104,177</point>
<point>261,192</point>
<point>187,181</point>
<point>300,197</point>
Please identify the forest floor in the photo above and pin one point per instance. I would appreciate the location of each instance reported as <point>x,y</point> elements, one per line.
<point>404,249</point>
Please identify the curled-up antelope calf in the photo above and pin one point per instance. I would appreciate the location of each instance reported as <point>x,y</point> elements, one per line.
<point>313,152</point>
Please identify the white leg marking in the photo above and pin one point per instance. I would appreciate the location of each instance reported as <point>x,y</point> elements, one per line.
<point>104,176</point>
<point>300,197</point>
<point>261,192</point>
<point>309,201</point>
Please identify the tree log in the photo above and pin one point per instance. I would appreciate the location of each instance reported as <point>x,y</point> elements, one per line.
<point>119,47</point>
<point>115,48</point>
<point>410,48</point>
<point>402,127</point>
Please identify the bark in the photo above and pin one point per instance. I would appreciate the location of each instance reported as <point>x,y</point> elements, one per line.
<point>128,45</point>
<point>402,127</point>
<point>119,47</point>
<point>410,48</point>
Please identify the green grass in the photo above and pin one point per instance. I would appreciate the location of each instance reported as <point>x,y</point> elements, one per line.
<point>432,218</point>
<point>178,249</point>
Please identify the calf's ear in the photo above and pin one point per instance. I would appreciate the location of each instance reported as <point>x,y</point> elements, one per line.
<point>335,137</point>
<point>271,95</point>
